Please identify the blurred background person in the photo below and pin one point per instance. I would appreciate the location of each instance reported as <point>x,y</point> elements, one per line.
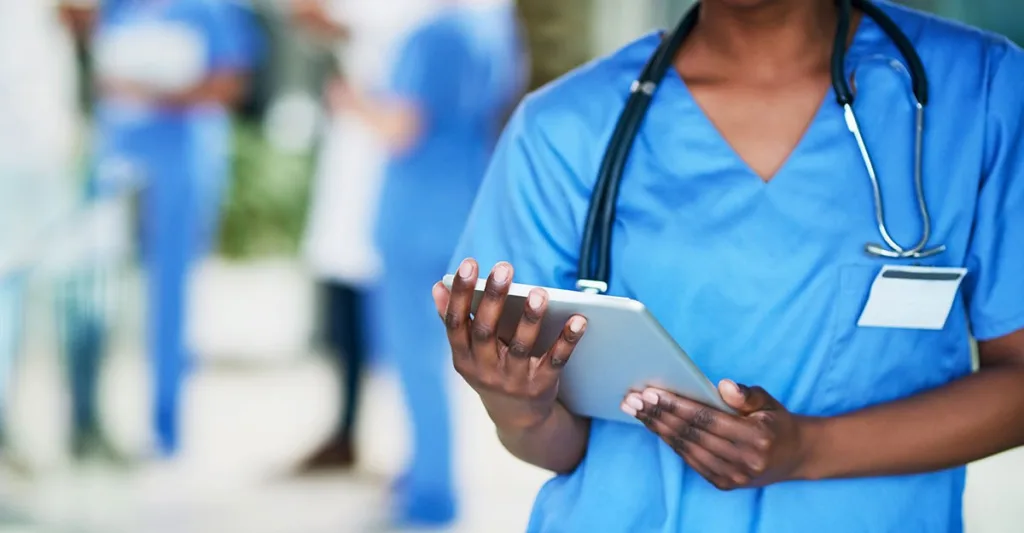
<point>455,78</point>
<point>38,126</point>
<point>363,36</point>
<point>167,73</point>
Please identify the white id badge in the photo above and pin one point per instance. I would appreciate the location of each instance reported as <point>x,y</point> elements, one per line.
<point>912,297</point>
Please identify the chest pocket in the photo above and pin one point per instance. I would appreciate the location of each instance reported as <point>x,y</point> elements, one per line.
<point>868,366</point>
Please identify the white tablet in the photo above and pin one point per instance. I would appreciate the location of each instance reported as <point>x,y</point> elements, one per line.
<point>624,349</point>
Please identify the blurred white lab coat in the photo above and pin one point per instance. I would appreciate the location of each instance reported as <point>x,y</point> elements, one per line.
<point>339,241</point>
<point>38,125</point>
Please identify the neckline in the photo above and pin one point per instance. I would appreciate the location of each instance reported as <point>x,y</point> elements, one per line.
<point>866,29</point>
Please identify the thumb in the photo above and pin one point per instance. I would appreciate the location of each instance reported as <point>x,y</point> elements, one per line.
<point>746,400</point>
<point>441,296</point>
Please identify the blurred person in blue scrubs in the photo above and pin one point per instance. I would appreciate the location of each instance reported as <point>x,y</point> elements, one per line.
<point>338,245</point>
<point>455,79</point>
<point>38,134</point>
<point>741,225</point>
<point>168,73</point>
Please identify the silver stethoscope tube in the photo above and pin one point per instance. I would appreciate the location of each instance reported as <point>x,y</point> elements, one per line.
<point>595,249</point>
<point>893,249</point>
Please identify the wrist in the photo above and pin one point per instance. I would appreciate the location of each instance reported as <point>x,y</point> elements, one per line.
<point>518,421</point>
<point>814,452</point>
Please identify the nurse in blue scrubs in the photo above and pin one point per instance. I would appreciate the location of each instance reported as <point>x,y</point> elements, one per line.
<point>741,224</point>
<point>168,72</point>
<point>454,81</point>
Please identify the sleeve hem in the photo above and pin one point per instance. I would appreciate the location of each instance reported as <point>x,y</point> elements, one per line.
<point>986,330</point>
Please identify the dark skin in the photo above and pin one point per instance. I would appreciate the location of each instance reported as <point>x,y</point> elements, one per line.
<point>518,390</point>
<point>748,58</point>
<point>224,88</point>
<point>312,16</point>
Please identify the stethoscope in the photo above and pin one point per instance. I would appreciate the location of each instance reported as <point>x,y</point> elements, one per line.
<point>593,272</point>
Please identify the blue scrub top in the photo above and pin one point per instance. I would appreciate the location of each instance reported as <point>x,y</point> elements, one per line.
<point>232,44</point>
<point>764,283</point>
<point>462,71</point>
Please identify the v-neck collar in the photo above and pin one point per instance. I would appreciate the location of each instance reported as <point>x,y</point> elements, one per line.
<point>663,126</point>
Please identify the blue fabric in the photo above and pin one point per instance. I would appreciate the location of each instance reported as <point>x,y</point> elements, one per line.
<point>183,157</point>
<point>764,283</point>
<point>458,77</point>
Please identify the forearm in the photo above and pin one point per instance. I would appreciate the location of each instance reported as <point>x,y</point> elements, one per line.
<point>558,444</point>
<point>965,421</point>
<point>324,28</point>
<point>224,88</point>
<point>79,17</point>
<point>397,124</point>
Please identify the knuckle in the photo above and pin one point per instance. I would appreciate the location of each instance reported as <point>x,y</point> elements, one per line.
<point>691,433</point>
<point>763,443</point>
<point>453,321</point>
<point>518,349</point>
<point>703,418</point>
<point>535,391</point>
<point>482,333</point>
<point>489,381</point>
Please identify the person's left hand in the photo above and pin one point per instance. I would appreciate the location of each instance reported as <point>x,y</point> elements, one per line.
<point>127,90</point>
<point>760,445</point>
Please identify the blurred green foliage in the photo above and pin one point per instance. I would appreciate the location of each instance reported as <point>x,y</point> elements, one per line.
<point>265,209</point>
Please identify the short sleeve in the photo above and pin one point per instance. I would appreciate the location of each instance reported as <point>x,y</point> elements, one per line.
<point>433,70</point>
<point>994,287</point>
<point>527,209</point>
<point>233,35</point>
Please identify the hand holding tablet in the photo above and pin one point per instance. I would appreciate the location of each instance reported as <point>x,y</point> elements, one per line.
<point>589,365</point>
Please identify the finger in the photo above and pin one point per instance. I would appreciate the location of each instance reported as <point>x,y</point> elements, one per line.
<point>704,418</point>
<point>558,355</point>
<point>460,302</point>
<point>682,431</point>
<point>525,338</point>
<point>746,400</point>
<point>485,322</point>
<point>721,473</point>
<point>441,296</point>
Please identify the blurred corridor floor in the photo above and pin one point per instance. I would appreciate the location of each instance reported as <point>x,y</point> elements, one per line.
<point>194,494</point>
<point>249,419</point>
<point>233,474</point>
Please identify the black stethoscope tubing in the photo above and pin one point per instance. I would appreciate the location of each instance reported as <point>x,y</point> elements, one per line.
<point>595,250</point>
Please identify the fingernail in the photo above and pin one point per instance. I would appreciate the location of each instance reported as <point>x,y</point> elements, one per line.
<point>534,301</point>
<point>634,402</point>
<point>739,389</point>
<point>577,324</point>
<point>628,409</point>
<point>466,269</point>
<point>501,274</point>
<point>651,397</point>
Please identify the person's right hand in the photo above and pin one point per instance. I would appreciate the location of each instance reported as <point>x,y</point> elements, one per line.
<point>518,390</point>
